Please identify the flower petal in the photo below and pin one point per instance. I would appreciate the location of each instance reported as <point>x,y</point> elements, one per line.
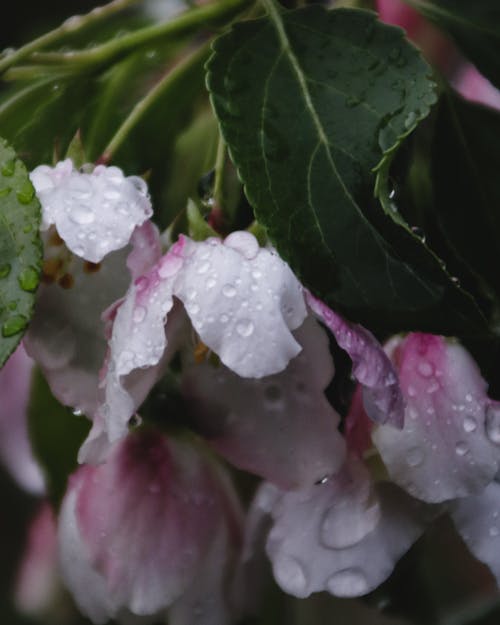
<point>142,523</point>
<point>280,427</point>
<point>371,366</point>
<point>15,448</point>
<point>94,213</point>
<point>243,301</point>
<point>341,536</point>
<point>443,451</point>
<point>477,518</point>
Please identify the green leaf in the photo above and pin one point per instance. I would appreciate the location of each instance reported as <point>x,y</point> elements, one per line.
<point>56,435</point>
<point>466,153</point>
<point>310,102</point>
<point>473,24</point>
<point>20,249</point>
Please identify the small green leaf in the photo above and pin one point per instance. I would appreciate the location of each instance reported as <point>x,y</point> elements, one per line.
<point>76,151</point>
<point>475,27</point>
<point>310,103</point>
<point>198,228</point>
<point>20,249</point>
<point>56,435</point>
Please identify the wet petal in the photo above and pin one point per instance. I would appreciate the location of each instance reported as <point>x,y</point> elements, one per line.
<point>134,532</point>
<point>341,536</point>
<point>477,518</point>
<point>443,451</point>
<point>474,86</point>
<point>15,448</point>
<point>370,365</point>
<point>280,427</point>
<point>94,213</point>
<point>66,335</point>
<point>243,301</point>
<point>358,425</point>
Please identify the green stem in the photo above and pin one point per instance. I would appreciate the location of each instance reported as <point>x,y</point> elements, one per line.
<point>220,161</point>
<point>182,25</point>
<point>169,81</point>
<point>71,25</point>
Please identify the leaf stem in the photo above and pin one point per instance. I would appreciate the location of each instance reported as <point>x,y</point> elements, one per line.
<point>181,25</point>
<point>71,25</point>
<point>169,81</point>
<point>220,162</point>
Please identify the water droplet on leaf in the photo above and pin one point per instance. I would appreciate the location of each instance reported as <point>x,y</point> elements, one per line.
<point>14,325</point>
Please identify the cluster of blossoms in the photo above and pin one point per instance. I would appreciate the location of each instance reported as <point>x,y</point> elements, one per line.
<point>151,521</point>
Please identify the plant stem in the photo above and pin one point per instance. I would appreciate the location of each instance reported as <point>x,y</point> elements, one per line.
<point>169,81</point>
<point>220,161</point>
<point>181,25</point>
<point>71,25</point>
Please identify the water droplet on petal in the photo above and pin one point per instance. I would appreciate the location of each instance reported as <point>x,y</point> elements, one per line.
<point>228,290</point>
<point>211,282</point>
<point>139,314</point>
<point>414,457</point>
<point>204,267</point>
<point>243,242</point>
<point>170,266</point>
<point>494,531</point>
<point>492,423</point>
<point>348,583</point>
<point>425,368</point>
<point>244,328</point>
<point>82,215</point>
<point>291,575</point>
<point>461,448</point>
<point>469,424</point>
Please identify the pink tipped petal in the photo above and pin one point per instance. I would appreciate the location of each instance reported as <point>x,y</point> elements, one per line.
<point>15,448</point>
<point>370,365</point>
<point>341,536</point>
<point>474,86</point>
<point>142,524</point>
<point>38,578</point>
<point>94,213</point>
<point>444,450</point>
<point>477,519</point>
<point>280,427</point>
<point>358,425</point>
<point>243,301</point>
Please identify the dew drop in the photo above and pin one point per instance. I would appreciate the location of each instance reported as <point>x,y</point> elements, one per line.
<point>223,318</point>
<point>204,267</point>
<point>494,531</point>
<point>469,424</point>
<point>4,270</point>
<point>414,457</point>
<point>82,215</point>
<point>425,368</point>
<point>26,193</point>
<point>347,583</point>
<point>256,273</point>
<point>14,325</point>
<point>291,575</point>
<point>210,283</point>
<point>9,167</point>
<point>245,328</point>
<point>170,267</point>
<point>28,279</point>
<point>139,314</point>
<point>492,423</point>
<point>461,448</point>
<point>228,290</point>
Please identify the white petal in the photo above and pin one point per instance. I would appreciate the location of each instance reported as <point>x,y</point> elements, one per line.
<point>242,303</point>
<point>94,213</point>
<point>341,536</point>
<point>444,450</point>
<point>477,519</point>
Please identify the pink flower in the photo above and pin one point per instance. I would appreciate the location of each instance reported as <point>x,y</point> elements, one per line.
<point>155,527</point>
<point>475,87</point>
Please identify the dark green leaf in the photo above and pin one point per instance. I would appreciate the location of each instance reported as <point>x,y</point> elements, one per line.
<point>309,105</point>
<point>20,249</point>
<point>475,27</point>
<point>56,435</point>
<point>466,154</point>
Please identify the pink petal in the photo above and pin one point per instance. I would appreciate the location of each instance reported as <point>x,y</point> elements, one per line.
<point>94,213</point>
<point>358,425</point>
<point>280,427</point>
<point>444,450</point>
<point>371,366</point>
<point>342,536</point>
<point>15,448</point>
<point>142,525</point>
<point>474,86</point>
